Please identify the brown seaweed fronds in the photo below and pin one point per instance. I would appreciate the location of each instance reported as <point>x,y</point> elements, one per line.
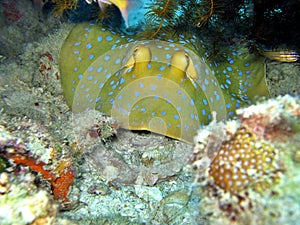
<point>161,12</point>
<point>62,5</point>
<point>206,11</point>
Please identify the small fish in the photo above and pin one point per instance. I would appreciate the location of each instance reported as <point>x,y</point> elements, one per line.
<point>126,7</point>
<point>288,56</point>
<point>166,86</point>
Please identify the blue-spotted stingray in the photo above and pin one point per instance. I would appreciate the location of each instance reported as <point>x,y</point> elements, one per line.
<point>167,85</point>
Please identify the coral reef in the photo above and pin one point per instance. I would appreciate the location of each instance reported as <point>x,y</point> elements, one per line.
<point>242,163</point>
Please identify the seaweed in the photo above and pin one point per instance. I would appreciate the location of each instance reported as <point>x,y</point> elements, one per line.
<point>62,6</point>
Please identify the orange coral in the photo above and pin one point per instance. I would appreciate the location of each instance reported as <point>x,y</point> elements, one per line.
<point>243,161</point>
<point>60,183</point>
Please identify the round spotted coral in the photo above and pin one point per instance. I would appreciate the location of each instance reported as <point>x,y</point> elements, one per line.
<point>242,162</point>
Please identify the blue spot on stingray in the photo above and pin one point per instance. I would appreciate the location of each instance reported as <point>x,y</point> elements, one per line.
<point>77,43</point>
<point>107,57</point>
<point>73,89</point>
<point>168,101</point>
<point>133,76</point>
<point>112,82</point>
<point>75,69</point>
<point>101,85</point>
<point>108,75</point>
<point>110,93</point>
<point>162,68</point>
<point>230,60</point>
<point>228,81</point>
<point>87,95</point>
<point>192,116</point>
<point>99,38</point>
<point>90,77</point>
<point>109,38</point>
<point>204,101</point>
<point>88,46</point>
<point>229,68</point>
<point>163,113</point>
<point>159,76</point>
<point>118,60</point>
<point>149,66</point>
<point>98,99</point>
<point>178,108</point>
<point>159,46</point>
<point>143,110</point>
<point>179,91</point>
<point>99,69</point>
<point>247,64</point>
<point>228,105</point>
<point>76,52</point>
<point>155,97</point>
<point>186,127</point>
<point>90,69</point>
<point>79,59</point>
<point>168,56</point>
<point>206,71</point>
<point>141,85</point>
<point>80,76</point>
<point>206,81</point>
<point>91,56</point>
<point>192,102</point>
<point>240,73</point>
<point>82,86</point>
<point>122,80</point>
<point>176,117</point>
<point>137,94</point>
<point>184,97</point>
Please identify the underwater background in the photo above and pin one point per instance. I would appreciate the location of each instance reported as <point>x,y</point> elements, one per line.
<point>149,112</point>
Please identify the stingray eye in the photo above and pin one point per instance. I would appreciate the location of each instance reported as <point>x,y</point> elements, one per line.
<point>142,54</point>
<point>180,60</point>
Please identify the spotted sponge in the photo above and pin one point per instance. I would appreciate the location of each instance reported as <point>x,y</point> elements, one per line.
<point>242,162</point>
